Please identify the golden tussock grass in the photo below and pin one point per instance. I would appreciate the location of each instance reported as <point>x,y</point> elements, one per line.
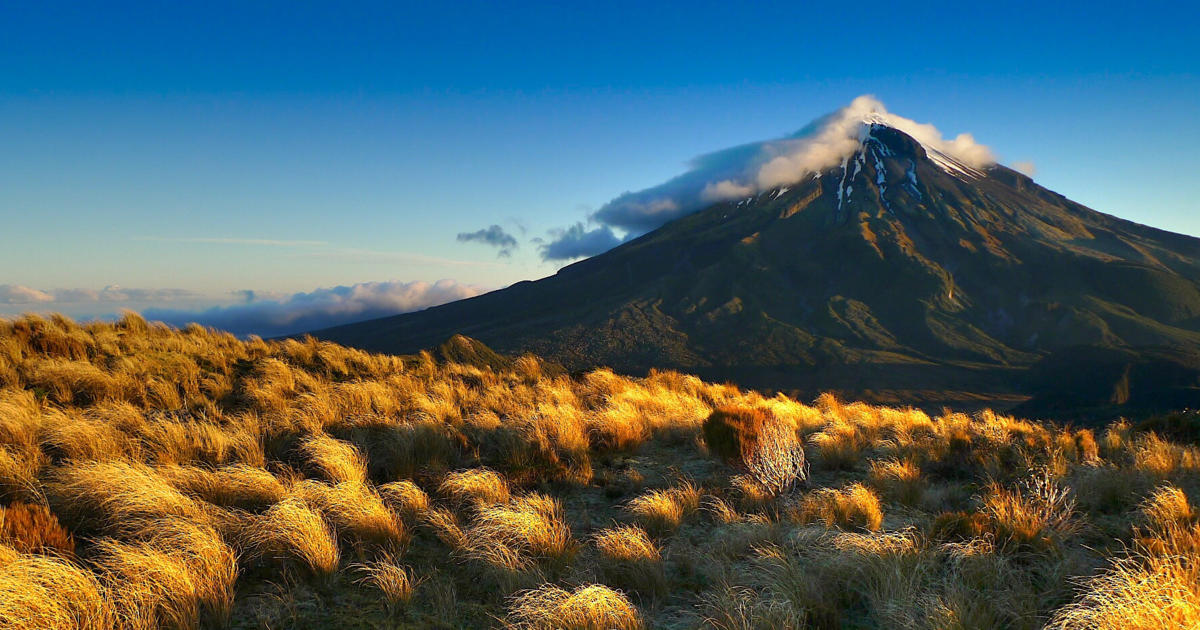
<point>515,535</point>
<point>46,593</point>
<point>479,487</point>
<point>394,582</point>
<point>178,575</point>
<point>406,498</point>
<point>161,456</point>
<point>357,514</point>
<point>631,560</point>
<point>293,532</point>
<point>853,507</point>
<point>589,607</point>
<point>663,511</point>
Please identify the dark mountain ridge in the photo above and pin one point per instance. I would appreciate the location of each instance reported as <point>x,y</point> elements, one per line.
<point>902,275</point>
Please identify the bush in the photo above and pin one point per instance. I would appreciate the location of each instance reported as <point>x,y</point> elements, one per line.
<point>767,448</point>
<point>32,528</point>
<point>854,507</point>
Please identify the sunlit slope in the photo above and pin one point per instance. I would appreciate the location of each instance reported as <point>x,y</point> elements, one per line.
<point>156,478</point>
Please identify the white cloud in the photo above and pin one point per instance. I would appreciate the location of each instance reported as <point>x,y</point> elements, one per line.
<point>322,308</point>
<point>18,294</point>
<point>1026,167</point>
<point>744,170</point>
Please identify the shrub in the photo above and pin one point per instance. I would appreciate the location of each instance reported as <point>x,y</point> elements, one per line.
<point>32,528</point>
<point>588,607</point>
<point>733,432</point>
<point>1038,514</point>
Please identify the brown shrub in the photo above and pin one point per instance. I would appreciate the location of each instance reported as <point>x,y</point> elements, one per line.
<point>32,528</point>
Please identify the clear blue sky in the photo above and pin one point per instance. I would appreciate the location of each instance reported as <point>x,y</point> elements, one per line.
<point>287,146</point>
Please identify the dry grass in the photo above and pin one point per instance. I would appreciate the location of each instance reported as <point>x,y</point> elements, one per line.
<point>591,607</point>
<point>478,487</point>
<point>854,507</point>
<point>395,583</point>
<point>43,593</point>
<point>663,511</point>
<point>157,457</point>
<point>292,531</point>
<point>631,560</point>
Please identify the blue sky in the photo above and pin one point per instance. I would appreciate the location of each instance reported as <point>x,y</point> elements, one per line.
<point>285,147</point>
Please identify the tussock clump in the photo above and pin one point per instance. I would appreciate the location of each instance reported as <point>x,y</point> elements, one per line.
<point>32,528</point>
<point>118,495</point>
<point>741,608</point>
<point>335,460</point>
<point>526,530</point>
<point>180,575</point>
<point>239,486</point>
<point>479,487</point>
<point>898,480</point>
<point>630,559</point>
<point>394,582</point>
<point>406,498</point>
<point>45,593</point>
<point>663,511</point>
<point>292,531</point>
<point>357,514</point>
<point>854,507</point>
<point>1141,592</point>
<point>589,607</point>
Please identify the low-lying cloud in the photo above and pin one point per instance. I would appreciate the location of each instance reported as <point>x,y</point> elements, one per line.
<point>322,308</point>
<point>748,169</point>
<point>578,241</point>
<point>493,235</point>
<point>19,294</point>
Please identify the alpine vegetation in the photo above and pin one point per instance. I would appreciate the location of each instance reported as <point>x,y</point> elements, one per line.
<point>152,477</point>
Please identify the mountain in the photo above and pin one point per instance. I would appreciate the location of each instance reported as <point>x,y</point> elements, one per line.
<point>902,275</point>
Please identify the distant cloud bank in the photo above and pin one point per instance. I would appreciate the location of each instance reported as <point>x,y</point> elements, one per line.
<point>322,308</point>
<point>18,294</point>
<point>745,170</point>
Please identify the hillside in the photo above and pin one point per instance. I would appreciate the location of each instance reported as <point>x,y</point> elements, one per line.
<point>899,276</point>
<point>152,477</point>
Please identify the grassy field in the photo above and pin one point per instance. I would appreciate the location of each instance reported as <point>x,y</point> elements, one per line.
<point>152,477</point>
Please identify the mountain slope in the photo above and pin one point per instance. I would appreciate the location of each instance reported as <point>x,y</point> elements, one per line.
<point>901,275</point>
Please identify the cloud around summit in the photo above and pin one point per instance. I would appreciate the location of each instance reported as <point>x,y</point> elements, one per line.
<point>745,170</point>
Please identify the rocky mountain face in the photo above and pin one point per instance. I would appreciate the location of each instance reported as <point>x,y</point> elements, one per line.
<point>900,276</point>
